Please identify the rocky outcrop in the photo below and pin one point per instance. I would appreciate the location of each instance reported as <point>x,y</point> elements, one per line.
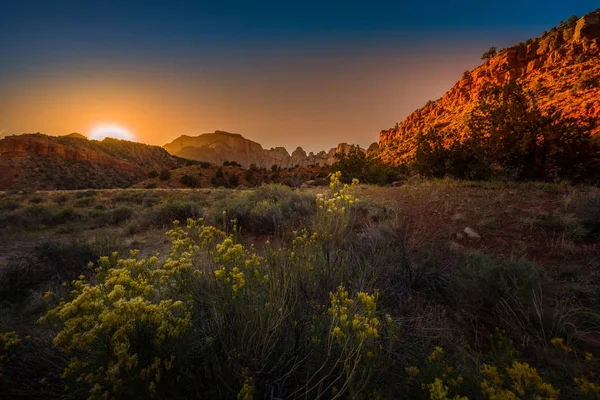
<point>562,68</point>
<point>222,146</point>
<point>72,161</point>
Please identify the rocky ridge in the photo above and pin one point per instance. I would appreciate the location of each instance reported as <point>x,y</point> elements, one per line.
<point>222,146</point>
<point>73,162</point>
<point>562,68</point>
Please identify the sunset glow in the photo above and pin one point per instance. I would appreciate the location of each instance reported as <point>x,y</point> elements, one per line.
<point>112,131</point>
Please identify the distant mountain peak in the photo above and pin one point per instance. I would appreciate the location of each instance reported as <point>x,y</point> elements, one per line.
<point>222,146</point>
<point>76,135</point>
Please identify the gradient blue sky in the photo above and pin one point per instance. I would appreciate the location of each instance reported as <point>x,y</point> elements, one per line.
<point>311,73</point>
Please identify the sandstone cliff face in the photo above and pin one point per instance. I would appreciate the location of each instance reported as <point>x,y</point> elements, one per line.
<point>69,162</point>
<point>221,146</point>
<point>562,68</point>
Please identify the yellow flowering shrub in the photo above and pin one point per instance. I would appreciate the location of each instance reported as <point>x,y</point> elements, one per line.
<point>586,388</point>
<point>447,380</point>
<point>354,319</point>
<point>524,382</point>
<point>8,340</point>
<point>248,389</point>
<point>121,316</point>
<point>353,335</point>
<point>333,210</point>
<point>559,343</point>
<point>440,391</point>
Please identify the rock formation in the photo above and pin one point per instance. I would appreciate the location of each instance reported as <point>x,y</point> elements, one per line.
<point>562,68</point>
<point>222,146</point>
<point>73,162</point>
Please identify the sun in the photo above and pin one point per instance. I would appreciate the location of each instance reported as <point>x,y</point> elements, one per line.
<point>110,131</point>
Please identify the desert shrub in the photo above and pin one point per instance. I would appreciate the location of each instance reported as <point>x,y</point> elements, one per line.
<point>589,216</point>
<point>37,199</point>
<point>165,322</point>
<point>234,180</point>
<point>489,53</point>
<point>231,164</point>
<point>165,175</point>
<point>116,216</point>
<point>204,165</point>
<point>557,222</point>
<point>249,175</point>
<point>65,215</point>
<point>50,263</point>
<point>544,146</point>
<point>263,210</point>
<point>153,174</point>
<point>150,201</point>
<point>219,182</point>
<point>165,213</point>
<point>86,193</point>
<point>84,202</point>
<point>487,281</point>
<point>189,181</point>
<point>151,186</point>
<point>31,217</point>
<point>9,204</point>
<point>587,81</point>
<point>368,169</point>
<point>61,199</point>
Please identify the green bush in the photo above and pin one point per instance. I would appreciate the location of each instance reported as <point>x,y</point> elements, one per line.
<point>165,213</point>
<point>84,202</point>
<point>263,210</point>
<point>116,216</point>
<point>37,199</point>
<point>60,199</point>
<point>489,53</point>
<point>366,168</point>
<point>165,175</point>
<point>234,180</point>
<point>66,215</point>
<point>50,263</point>
<point>189,181</point>
<point>9,204</point>
<point>30,217</point>
<point>487,281</point>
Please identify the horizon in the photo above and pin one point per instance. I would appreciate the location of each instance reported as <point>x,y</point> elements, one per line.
<point>286,76</point>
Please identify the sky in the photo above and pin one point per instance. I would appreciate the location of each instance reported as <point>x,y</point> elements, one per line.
<point>283,73</point>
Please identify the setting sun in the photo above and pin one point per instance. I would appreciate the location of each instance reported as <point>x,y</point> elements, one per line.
<point>111,131</point>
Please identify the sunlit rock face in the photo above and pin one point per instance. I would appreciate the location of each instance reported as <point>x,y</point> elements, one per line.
<point>73,162</point>
<point>562,67</point>
<point>222,146</point>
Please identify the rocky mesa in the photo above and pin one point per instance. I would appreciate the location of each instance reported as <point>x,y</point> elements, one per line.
<point>222,146</point>
<point>562,68</point>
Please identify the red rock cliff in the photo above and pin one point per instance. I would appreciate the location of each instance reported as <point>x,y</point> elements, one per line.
<point>562,68</point>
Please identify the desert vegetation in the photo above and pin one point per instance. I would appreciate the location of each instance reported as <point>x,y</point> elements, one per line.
<point>344,291</point>
<point>508,137</point>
